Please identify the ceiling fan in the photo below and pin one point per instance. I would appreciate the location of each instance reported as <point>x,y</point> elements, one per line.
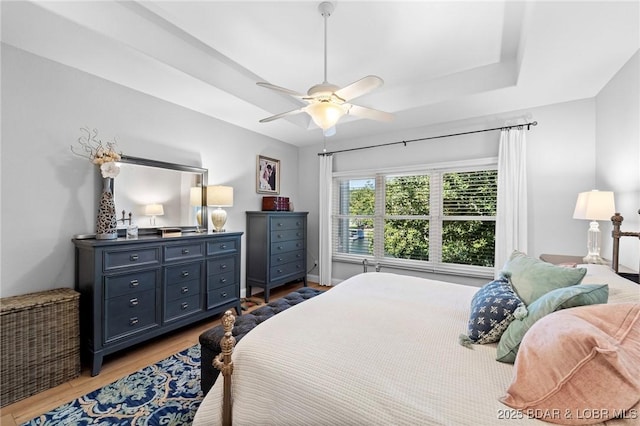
<point>326,102</point>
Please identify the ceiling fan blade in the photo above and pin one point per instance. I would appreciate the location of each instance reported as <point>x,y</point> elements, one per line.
<point>283,114</point>
<point>359,88</point>
<point>372,114</point>
<point>281,89</point>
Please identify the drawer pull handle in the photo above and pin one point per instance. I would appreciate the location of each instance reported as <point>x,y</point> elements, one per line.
<point>279,247</point>
<point>298,245</point>
<point>223,266</point>
<point>133,257</point>
<point>133,321</point>
<point>279,271</point>
<point>298,234</point>
<point>185,251</point>
<point>133,302</point>
<point>134,283</point>
<point>298,255</point>
<point>184,274</point>
<point>297,223</point>
<point>223,294</point>
<point>223,280</point>
<point>279,259</point>
<point>223,246</point>
<point>279,223</point>
<point>184,290</point>
<point>184,306</point>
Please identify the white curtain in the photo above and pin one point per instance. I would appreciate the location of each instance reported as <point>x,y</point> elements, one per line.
<point>326,184</point>
<point>511,218</point>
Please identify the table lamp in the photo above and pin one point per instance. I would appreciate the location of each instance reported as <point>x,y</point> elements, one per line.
<point>153,210</point>
<point>594,205</point>
<point>219,196</point>
<point>196,202</point>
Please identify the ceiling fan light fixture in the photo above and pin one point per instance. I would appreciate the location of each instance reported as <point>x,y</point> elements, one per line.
<point>325,113</point>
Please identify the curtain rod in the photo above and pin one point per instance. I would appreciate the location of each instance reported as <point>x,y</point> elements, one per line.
<point>528,125</point>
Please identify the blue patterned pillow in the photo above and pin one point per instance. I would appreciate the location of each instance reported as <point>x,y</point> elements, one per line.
<point>492,310</point>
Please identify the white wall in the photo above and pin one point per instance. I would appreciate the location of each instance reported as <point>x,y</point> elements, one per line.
<point>617,159</point>
<point>560,161</point>
<point>49,195</point>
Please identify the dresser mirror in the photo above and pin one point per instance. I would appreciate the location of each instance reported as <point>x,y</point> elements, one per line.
<point>156,194</point>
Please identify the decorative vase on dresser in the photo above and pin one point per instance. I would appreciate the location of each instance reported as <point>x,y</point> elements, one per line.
<point>135,290</point>
<point>276,249</point>
<point>107,224</point>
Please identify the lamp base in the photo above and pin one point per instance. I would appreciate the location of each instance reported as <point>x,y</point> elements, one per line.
<point>218,218</point>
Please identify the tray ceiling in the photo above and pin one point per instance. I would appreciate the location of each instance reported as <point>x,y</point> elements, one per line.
<point>441,61</point>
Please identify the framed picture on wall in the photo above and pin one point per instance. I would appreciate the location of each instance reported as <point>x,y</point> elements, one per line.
<point>267,175</point>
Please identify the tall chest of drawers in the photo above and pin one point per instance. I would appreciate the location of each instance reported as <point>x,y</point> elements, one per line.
<point>134,290</point>
<point>276,249</point>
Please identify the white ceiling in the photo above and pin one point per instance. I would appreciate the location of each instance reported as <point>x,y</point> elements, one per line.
<point>441,61</point>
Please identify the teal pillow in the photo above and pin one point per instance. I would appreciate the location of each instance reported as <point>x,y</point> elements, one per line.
<point>561,298</point>
<point>532,278</point>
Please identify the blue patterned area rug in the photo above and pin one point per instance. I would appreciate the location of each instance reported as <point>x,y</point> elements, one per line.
<point>166,393</point>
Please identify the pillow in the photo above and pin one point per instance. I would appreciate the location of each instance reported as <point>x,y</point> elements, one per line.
<point>492,309</point>
<point>580,366</point>
<point>531,278</point>
<point>561,298</point>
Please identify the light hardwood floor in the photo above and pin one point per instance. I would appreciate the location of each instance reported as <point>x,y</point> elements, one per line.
<point>118,365</point>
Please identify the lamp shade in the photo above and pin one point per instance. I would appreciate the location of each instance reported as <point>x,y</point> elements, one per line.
<point>154,210</point>
<point>325,113</point>
<point>196,196</point>
<point>594,205</point>
<point>220,196</point>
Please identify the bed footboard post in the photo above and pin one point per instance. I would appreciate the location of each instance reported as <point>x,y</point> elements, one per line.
<point>616,220</point>
<point>223,363</point>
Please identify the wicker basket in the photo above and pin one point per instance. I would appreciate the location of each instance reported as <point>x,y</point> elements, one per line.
<point>40,342</point>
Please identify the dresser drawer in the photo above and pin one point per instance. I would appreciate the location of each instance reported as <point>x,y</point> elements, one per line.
<point>221,265</point>
<point>222,246</point>
<point>278,247</point>
<point>281,271</point>
<point>117,259</point>
<point>130,313</point>
<point>286,257</point>
<point>126,284</point>
<point>177,291</point>
<point>183,273</point>
<point>284,222</point>
<point>287,235</point>
<point>183,251</point>
<point>178,308</point>
<point>222,295</point>
<point>220,280</point>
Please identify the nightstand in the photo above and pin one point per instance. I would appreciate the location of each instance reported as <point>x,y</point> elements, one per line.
<point>561,259</point>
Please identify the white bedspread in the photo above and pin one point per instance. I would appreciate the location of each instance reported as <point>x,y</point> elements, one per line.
<point>378,349</point>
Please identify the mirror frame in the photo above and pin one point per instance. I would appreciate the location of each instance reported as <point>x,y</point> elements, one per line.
<point>178,167</point>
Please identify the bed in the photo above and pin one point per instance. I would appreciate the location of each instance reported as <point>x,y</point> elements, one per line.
<point>383,349</point>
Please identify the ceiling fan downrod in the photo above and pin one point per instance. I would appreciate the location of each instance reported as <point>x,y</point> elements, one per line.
<point>326,9</point>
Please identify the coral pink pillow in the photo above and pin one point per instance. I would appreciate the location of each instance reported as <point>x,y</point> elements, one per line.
<point>579,365</point>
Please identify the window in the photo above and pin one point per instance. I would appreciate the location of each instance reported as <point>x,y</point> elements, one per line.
<point>440,219</point>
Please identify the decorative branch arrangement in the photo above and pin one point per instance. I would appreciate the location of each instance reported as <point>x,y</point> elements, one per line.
<point>103,154</point>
